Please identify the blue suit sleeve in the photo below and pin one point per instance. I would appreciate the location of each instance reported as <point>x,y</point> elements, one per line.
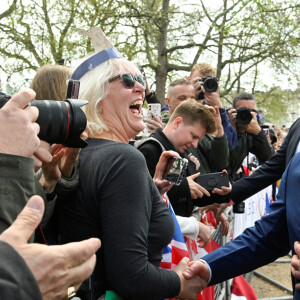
<point>229,130</point>
<point>256,246</point>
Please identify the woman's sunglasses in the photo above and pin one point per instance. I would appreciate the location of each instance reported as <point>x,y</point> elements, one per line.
<point>129,81</point>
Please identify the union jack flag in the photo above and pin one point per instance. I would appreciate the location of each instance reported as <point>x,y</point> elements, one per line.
<point>177,249</point>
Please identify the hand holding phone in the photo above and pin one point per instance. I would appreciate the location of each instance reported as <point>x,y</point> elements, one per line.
<point>213,180</point>
<point>174,170</point>
<point>154,109</point>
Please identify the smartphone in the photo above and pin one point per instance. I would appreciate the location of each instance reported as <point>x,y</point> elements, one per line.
<point>154,109</point>
<point>73,89</point>
<point>213,180</point>
<point>174,170</point>
<point>266,129</point>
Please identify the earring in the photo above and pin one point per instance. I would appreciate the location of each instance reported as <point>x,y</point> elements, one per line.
<point>99,110</point>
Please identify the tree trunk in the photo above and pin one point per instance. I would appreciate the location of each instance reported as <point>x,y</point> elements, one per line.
<point>162,70</point>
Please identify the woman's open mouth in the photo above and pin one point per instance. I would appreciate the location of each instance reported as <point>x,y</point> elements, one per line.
<point>136,107</point>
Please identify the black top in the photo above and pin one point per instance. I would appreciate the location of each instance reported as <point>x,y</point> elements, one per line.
<point>118,202</point>
<point>247,142</point>
<point>180,196</point>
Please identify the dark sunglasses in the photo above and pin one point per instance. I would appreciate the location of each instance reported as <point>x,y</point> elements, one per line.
<point>129,81</point>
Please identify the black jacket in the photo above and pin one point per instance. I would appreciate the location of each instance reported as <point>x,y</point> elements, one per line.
<point>16,279</point>
<point>180,196</point>
<point>271,170</point>
<point>247,142</point>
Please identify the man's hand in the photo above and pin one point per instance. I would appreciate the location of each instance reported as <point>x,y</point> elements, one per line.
<point>198,85</point>
<point>197,191</point>
<point>71,155</point>
<point>62,164</point>
<point>217,117</point>
<point>296,263</point>
<point>197,268</point>
<point>253,127</point>
<point>217,208</point>
<point>191,286</point>
<point>232,117</point>
<point>163,185</point>
<point>224,223</point>
<point>55,268</point>
<point>152,125</point>
<point>23,139</point>
<point>224,190</point>
<point>51,173</point>
<point>212,99</point>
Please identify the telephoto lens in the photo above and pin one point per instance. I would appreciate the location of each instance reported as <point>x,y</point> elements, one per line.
<point>243,116</point>
<point>61,122</point>
<point>210,84</point>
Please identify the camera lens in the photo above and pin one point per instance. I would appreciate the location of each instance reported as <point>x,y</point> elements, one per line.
<point>61,122</point>
<point>239,208</point>
<point>243,116</point>
<point>210,84</point>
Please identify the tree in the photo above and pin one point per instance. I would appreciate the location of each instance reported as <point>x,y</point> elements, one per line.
<point>45,32</point>
<point>167,38</point>
<point>236,37</point>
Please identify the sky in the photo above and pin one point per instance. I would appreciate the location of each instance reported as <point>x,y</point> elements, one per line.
<point>267,75</point>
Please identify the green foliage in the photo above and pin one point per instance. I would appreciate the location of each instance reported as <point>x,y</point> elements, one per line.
<point>167,37</point>
<point>276,104</point>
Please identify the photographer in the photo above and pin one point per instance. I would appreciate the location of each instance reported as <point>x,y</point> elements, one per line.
<point>21,273</point>
<point>208,92</point>
<point>251,138</point>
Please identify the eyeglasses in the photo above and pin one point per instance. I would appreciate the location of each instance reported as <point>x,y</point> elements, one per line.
<point>129,81</point>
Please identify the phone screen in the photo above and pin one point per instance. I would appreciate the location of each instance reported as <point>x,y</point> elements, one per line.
<point>174,169</point>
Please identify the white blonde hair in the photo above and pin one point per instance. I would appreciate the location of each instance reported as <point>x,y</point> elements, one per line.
<point>94,86</point>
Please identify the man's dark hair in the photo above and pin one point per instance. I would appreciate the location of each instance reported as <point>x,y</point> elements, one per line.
<point>242,96</point>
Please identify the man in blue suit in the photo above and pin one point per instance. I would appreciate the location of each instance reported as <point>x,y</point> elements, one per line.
<point>270,171</point>
<point>273,236</point>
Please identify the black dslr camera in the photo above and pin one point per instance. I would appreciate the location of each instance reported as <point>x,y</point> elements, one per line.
<point>61,122</point>
<point>243,116</point>
<point>210,85</point>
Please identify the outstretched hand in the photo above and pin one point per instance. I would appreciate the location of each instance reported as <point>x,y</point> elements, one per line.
<point>196,190</point>
<point>163,185</point>
<point>197,268</point>
<point>190,287</point>
<point>153,124</point>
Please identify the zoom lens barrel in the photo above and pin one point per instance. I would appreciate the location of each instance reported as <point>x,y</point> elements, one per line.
<point>61,122</point>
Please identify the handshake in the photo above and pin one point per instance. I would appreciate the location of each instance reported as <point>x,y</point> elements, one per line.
<point>194,277</point>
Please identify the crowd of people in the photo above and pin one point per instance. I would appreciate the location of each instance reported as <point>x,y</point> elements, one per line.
<point>93,222</point>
